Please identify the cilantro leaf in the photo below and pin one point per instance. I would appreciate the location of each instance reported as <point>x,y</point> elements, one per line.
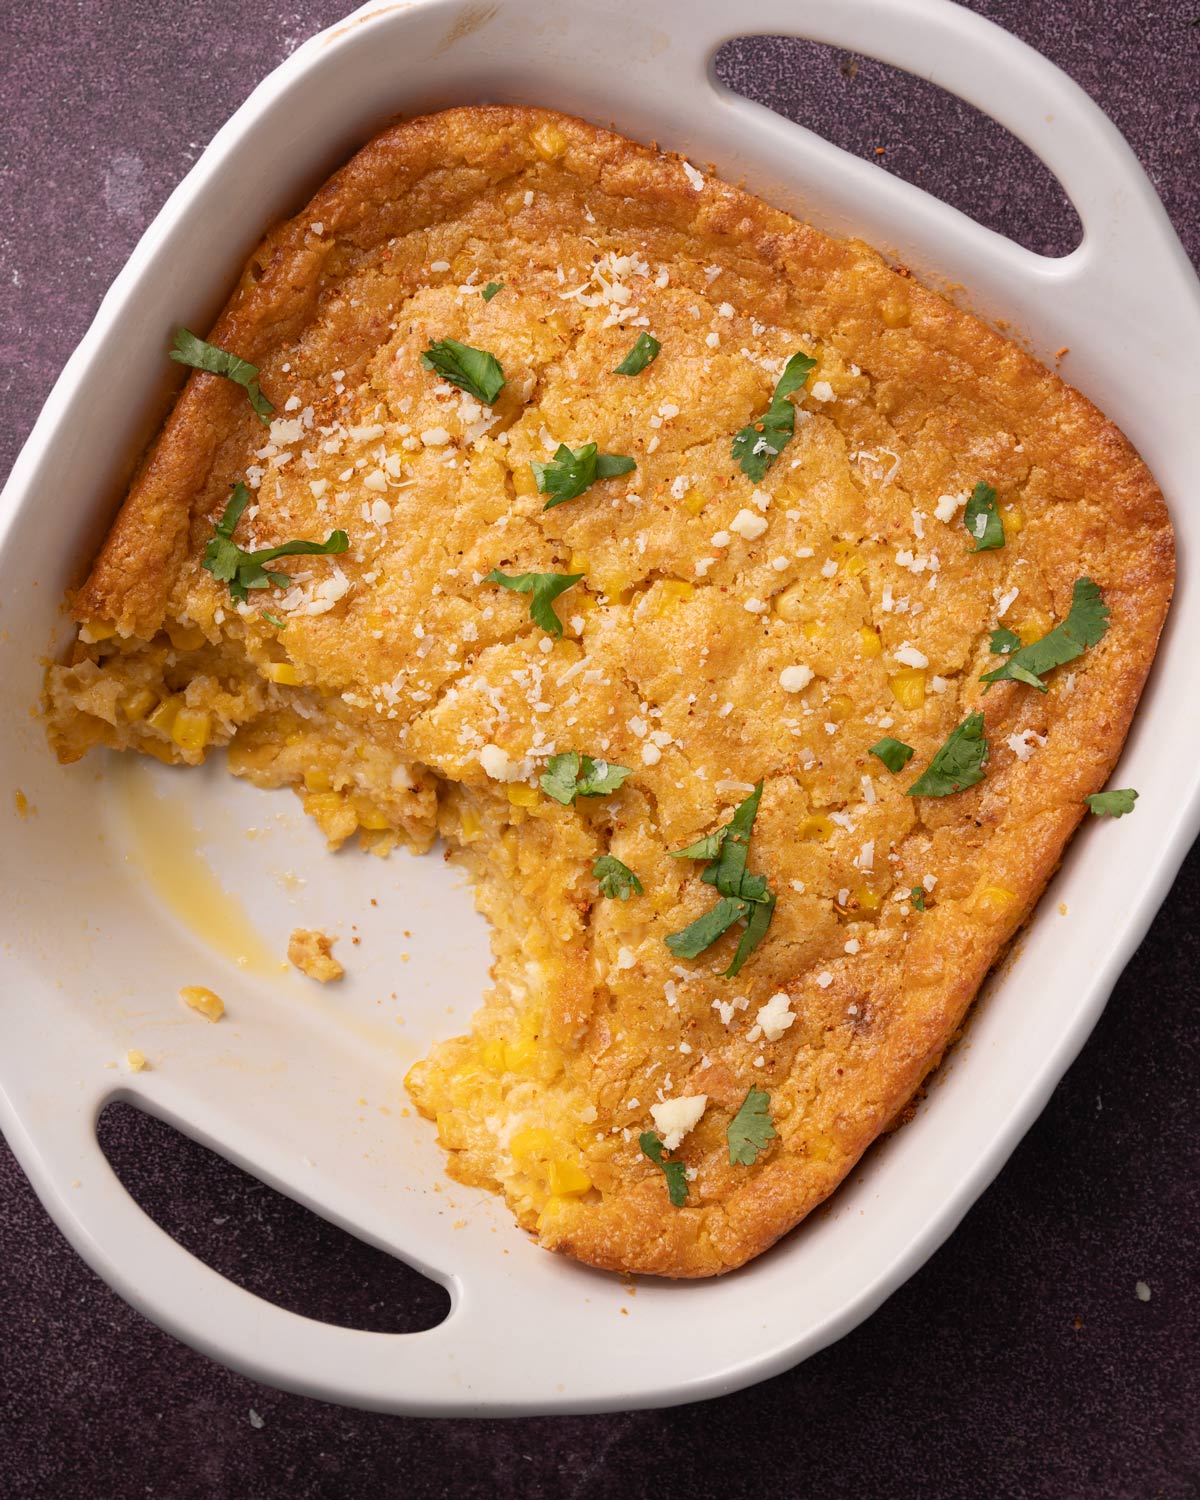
<point>644,352</point>
<point>1004,641</point>
<point>544,588</point>
<point>761,913</point>
<point>751,1130</point>
<point>617,880</point>
<point>674,1171</point>
<point>572,775</point>
<point>692,940</point>
<point>243,571</point>
<point>982,519</point>
<point>473,370</point>
<point>757,446</point>
<point>895,754</point>
<point>187,349</point>
<point>917,897</point>
<point>706,848</point>
<point>273,619</point>
<point>742,895</point>
<point>1114,804</point>
<point>1086,625</point>
<point>569,473</point>
<point>491,289</point>
<point>958,764</point>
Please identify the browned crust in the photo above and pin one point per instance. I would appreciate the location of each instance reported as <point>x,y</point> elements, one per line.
<point>425,169</point>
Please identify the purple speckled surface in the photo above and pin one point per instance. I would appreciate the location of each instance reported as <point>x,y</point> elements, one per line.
<point>1019,1363</point>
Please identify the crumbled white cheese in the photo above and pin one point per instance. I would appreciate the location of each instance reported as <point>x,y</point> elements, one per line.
<point>825,979</point>
<point>795,679</point>
<point>695,178</point>
<point>748,525</point>
<point>948,505</point>
<point>499,765</point>
<point>775,1016</point>
<point>822,391</point>
<point>1022,743</point>
<point>626,958</point>
<point>908,655</point>
<point>673,1118</point>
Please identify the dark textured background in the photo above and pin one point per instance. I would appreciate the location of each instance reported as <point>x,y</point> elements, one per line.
<point>1019,1363</point>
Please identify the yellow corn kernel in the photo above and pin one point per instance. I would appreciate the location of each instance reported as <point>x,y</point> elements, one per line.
<point>317,781</point>
<point>548,141</point>
<point>867,899</point>
<point>451,1134</point>
<point>136,1060</point>
<point>579,563</point>
<point>868,642</point>
<point>185,637</point>
<point>568,1179</point>
<point>908,687</point>
<point>520,1056</point>
<point>469,823</point>
<point>164,715</point>
<point>332,814</point>
<point>815,631</point>
<point>855,564</point>
<point>96,630</point>
<point>789,605</point>
<point>993,900</point>
<point>137,703</point>
<point>532,1143</point>
<point>369,814</point>
<point>521,795</point>
<point>816,828</point>
<point>192,728</point>
<point>1034,627</point>
<point>677,590</point>
<point>156,748</point>
<point>285,672</point>
<point>894,312</point>
<point>525,484</point>
<point>492,1054</point>
<point>839,708</point>
<point>694,502</point>
<point>198,997</point>
<point>1013,517</point>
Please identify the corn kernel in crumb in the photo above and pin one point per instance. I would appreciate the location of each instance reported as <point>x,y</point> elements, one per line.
<point>310,951</point>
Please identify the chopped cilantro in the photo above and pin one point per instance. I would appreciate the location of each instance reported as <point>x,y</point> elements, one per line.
<point>243,571</point>
<point>742,896</point>
<point>1004,641</point>
<point>544,588</point>
<point>473,370</point>
<point>273,619</point>
<point>491,289</point>
<point>674,1171</point>
<point>644,352</point>
<point>757,446</point>
<point>617,880</point>
<point>1085,625</point>
<point>982,519</point>
<point>895,754</point>
<point>958,764</point>
<point>751,1130</point>
<point>1114,804</point>
<point>187,349</point>
<point>569,473</point>
<point>917,897</point>
<point>572,775</point>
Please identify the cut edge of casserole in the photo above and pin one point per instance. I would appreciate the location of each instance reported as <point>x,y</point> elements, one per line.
<point>724,634</point>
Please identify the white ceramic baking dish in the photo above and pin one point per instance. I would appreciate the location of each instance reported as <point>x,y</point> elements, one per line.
<point>103,915</point>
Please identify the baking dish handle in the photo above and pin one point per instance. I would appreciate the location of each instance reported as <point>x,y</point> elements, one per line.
<point>427,1373</point>
<point>1129,243</point>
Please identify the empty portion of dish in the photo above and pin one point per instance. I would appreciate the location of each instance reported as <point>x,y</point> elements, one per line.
<point>656,546</point>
